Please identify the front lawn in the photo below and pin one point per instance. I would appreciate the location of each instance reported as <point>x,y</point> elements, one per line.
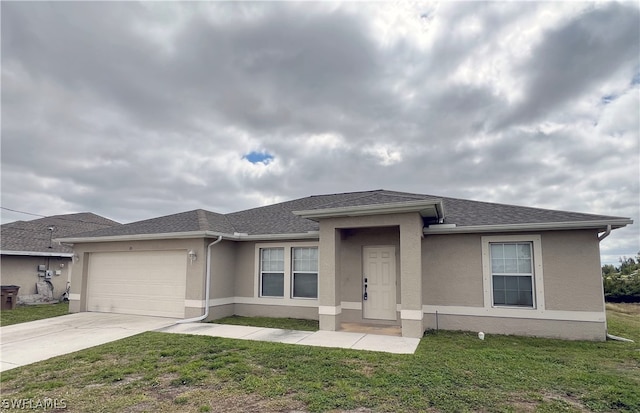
<point>450,372</point>
<point>24,313</point>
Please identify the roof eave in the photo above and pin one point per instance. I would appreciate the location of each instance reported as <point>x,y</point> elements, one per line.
<point>37,254</point>
<point>427,208</point>
<point>537,226</point>
<point>190,235</point>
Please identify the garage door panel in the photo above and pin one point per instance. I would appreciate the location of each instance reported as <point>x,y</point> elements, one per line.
<point>139,282</point>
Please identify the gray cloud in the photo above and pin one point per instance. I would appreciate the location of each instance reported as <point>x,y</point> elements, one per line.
<point>135,110</point>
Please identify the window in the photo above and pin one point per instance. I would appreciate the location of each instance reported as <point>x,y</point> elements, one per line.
<point>272,272</point>
<point>287,273</point>
<point>304,272</point>
<point>512,274</point>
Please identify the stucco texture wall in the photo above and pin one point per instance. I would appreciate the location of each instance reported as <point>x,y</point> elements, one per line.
<point>23,271</point>
<point>452,270</point>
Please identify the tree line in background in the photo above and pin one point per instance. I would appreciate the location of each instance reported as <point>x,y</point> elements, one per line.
<point>622,283</point>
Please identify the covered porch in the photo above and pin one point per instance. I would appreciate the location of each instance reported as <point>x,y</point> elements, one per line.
<point>370,271</point>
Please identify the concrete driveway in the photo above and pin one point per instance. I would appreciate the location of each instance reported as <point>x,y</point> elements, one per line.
<point>26,343</point>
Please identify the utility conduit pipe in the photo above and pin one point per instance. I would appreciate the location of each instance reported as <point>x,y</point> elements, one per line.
<point>207,288</point>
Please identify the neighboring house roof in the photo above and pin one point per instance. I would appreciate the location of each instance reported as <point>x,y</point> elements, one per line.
<point>34,237</point>
<point>294,219</point>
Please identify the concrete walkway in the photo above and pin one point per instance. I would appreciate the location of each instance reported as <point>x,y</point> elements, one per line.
<point>338,339</point>
<point>26,343</point>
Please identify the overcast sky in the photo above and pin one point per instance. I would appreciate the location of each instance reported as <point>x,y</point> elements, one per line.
<point>137,110</point>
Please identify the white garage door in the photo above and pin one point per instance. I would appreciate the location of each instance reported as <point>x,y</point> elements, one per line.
<point>140,282</point>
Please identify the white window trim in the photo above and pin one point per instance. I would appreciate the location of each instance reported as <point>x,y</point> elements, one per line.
<point>288,274</point>
<point>538,279</point>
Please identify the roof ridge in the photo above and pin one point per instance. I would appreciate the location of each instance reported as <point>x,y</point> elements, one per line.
<point>363,195</point>
<point>203,221</point>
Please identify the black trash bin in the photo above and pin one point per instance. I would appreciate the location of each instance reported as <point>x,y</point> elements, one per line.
<point>9,296</point>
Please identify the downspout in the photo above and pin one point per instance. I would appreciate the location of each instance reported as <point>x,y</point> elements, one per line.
<point>611,336</point>
<point>606,233</point>
<point>207,288</point>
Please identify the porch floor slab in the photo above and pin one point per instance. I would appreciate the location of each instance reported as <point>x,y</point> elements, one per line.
<point>336,339</point>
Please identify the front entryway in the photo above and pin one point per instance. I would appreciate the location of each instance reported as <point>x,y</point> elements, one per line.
<point>379,283</point>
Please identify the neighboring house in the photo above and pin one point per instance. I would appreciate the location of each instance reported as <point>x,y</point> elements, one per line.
<point>30,256</point>
<point>377,257</point>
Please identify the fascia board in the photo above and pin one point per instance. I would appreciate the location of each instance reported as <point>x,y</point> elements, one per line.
<point>190,235</point>
<point>134,237</point>
<point>37,254</point>
<point>266,237</point>
<point>390,208</point>
<point>548,226</point>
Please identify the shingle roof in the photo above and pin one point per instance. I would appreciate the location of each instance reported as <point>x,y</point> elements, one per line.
<point>191,221</point>
<point>279,218</point>
<point>35,236</point>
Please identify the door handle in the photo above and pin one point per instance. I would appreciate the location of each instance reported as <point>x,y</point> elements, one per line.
<point>365,295</point>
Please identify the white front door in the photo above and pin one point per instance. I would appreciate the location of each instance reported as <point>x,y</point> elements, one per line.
<point>379,265</point>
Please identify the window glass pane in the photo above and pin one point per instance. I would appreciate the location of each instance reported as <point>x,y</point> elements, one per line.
<point>497,251</point>
<point>525,299</point>
<point>497,266</point>
<point>273,284</point>
<point>510,251</point>
<point>512,297</point>
<point>524,250</point>
<point>305,285</point>
<point>305,259</point>
<point>512,290</point>
<point>510,265</point>
<point>511,283</point>
<point>524,266</point>
<point>524,283</point>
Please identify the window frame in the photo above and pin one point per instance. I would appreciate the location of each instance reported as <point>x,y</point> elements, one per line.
<point>513,274</point>
<point>294,272</point>
<point>288,298</point>
<point>537,278</point>
<point>262,272</point>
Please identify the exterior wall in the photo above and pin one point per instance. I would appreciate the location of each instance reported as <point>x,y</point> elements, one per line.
<point>23,271</point>
<point>452,270</point>
<point>562,329</point>
<point>194,273</point>
<point>223,269</point>
<point>572,305</point>
<point>449,268</point>
<point>245,269</point>
<point>258,310</point>
<point>572,271</point>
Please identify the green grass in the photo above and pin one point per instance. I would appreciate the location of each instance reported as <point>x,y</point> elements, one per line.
<point>283,323</point>
<point>450,372</point>
<point>24,313</point>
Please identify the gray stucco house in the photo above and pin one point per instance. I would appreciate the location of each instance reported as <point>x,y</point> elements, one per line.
<point>29,254</point>
<point>375,257</point>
